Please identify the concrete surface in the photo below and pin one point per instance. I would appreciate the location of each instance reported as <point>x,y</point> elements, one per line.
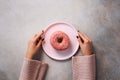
<point>99,19</point>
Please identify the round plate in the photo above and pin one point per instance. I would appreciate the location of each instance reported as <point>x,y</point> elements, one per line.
<point>61,54</point>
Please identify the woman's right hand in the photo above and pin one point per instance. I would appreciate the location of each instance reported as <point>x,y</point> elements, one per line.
<point>85,44</point>
<point>34,45</point>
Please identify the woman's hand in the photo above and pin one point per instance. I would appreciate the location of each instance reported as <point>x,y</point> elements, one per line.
<point>34,45</point>
<point>85,44</point>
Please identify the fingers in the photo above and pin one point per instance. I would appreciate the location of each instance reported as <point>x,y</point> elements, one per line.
<point>32,38</point>
<point>38,37</point>
<point>82,36</point>
<point>35,35</point>
<point>87,38</point>
<point>40,42</point>
<point>79,40</point>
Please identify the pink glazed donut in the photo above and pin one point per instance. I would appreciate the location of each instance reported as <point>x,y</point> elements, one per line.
<point>59,40</point>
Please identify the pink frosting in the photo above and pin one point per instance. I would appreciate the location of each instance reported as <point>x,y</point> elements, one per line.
<point>59,40</point>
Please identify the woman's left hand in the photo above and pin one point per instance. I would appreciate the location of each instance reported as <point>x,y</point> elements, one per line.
<point>34,45</point>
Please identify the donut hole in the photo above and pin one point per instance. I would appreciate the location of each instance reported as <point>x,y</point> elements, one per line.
<point>60,39</point>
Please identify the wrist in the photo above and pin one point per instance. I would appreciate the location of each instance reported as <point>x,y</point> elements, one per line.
<point>87,54</point>
<point>29,56</point>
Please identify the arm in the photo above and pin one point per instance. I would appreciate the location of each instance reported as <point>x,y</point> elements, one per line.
<point>33,69</point>
<point>84,66</point>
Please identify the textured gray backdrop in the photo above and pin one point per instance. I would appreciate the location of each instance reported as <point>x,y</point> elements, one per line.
<point>99,19</point>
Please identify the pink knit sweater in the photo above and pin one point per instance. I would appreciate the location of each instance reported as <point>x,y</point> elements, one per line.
<point>83,68</point>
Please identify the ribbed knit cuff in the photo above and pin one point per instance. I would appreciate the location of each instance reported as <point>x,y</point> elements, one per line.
<point>30,69</point>
<point>83,67</point>
<point>33,70</point>
<point>42,71</point>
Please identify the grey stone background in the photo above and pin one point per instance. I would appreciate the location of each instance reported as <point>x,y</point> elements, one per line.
<point>21,19</point>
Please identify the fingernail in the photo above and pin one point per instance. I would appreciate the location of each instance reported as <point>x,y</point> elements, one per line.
<point>43,39</point>
<point>77,36</point>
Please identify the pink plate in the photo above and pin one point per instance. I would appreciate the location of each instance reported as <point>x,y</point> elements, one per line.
<point>64,54</point>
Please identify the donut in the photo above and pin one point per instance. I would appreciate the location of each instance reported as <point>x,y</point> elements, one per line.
<point>59,40</point>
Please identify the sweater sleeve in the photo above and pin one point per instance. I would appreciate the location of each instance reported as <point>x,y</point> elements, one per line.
<point>84,67</point>
<point>31,70</point>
